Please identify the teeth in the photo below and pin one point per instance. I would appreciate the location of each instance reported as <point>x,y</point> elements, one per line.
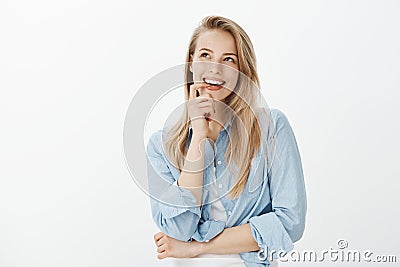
<point>213,82</point>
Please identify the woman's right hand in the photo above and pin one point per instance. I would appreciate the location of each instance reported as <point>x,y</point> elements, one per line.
<point>200,109</point>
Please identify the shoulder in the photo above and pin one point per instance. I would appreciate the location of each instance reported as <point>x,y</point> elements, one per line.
<point>282,131</point>
<point>272,119</point>
<point>276,126</point>
<point>279,118</point>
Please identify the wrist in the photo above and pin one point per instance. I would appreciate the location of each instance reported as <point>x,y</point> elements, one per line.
<point>198,137</point>
<point>199,248</point>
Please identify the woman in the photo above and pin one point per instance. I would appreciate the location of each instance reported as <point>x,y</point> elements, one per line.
<point>227,178</point>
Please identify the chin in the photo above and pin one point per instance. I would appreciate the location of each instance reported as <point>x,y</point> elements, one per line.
<point>219,95</point>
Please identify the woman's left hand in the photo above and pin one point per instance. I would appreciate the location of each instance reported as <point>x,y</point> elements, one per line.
<point>171,247</point>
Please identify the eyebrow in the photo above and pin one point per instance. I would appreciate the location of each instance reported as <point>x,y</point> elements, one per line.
<point>228,53</point>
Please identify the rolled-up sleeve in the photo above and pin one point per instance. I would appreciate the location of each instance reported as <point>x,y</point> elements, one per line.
<point>174,209</point>
<point>277,230</point>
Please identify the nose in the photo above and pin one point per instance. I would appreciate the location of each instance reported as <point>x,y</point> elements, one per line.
<point>215,68</point>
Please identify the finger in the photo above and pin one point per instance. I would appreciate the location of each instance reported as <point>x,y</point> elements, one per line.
<point>203,93</point>
<point>158,235</point>
<point>213,106</point>
<point>161,241</point>
<point>192,92</point>
<point>207,95</point>
<point>195,87</point>
<point>162,248</point>
<point>205,104</point>
<point>206,110</point>
<point>201,99</point>
<point>201,87</point>
<point>162,255</point>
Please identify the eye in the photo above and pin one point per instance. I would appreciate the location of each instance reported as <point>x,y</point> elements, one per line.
<point>229,59</point>
<point>204,55</point>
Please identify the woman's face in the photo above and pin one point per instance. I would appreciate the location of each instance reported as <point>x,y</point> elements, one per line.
<point>215,62</point>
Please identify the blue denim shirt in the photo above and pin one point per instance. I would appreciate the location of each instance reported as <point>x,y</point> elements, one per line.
<point>273,201</point>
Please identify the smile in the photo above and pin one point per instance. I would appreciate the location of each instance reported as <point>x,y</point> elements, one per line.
<point>213,82</point>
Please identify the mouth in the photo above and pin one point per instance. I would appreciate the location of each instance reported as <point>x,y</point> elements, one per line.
<point>214,84</point>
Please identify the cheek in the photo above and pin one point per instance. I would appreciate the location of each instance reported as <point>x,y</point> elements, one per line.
<point>232,76</point>
<point>235,76</point>
<point>232,82</point>
<point>198,70</point>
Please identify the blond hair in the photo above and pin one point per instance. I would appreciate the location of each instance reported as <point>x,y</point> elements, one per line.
<point>245,129</point>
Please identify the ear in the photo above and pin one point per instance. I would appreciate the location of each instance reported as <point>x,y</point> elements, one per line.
<point>190,63</point>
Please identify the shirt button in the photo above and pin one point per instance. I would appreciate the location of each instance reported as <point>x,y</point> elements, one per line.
<point>219,162</point>
<point>229,212</point>
<point>220,186</point>
<point>207,241</point>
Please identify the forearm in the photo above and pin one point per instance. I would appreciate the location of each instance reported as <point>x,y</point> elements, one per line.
<point>192,174</point>
<point>233,240</point>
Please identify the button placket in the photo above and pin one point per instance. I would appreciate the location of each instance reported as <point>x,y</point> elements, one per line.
<point>216,164</point>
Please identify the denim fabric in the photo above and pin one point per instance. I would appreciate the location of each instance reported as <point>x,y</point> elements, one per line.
<point>273,201</point>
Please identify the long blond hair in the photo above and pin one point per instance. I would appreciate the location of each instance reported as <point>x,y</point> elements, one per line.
<point>245,129</point>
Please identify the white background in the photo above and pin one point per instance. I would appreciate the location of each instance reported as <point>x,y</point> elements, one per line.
<point>68,71</point>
